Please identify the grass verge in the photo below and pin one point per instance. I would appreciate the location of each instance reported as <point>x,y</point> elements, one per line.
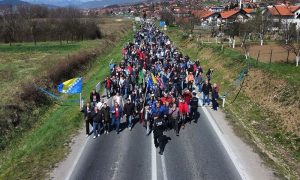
<point>254,120</point>
<point>39,150</point>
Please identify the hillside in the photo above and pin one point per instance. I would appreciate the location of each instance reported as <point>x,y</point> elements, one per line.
<point>83,4</point>
<point>13,2</point>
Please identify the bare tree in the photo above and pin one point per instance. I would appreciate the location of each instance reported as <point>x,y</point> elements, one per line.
<point>35,23</point>
<point>294,48</point>
<point>9,25</point>
<point>246,46</point>
<point>167,16</point>
<point>289,42</point>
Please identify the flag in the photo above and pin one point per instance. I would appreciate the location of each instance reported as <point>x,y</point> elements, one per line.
<point>72,86</point>
<point>153,79</point>
<point>150,84</point>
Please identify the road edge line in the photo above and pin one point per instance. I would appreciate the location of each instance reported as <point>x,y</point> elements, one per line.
<point>164,169</point>
<point>76,160</point>
<point>239,167</point>
<point>153,161</point>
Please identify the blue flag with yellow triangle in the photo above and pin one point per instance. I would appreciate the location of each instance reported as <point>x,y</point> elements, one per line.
<point>72,86</point>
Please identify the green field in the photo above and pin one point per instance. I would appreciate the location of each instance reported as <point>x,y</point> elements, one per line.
<point>44,146</point>
<point>31,149</point>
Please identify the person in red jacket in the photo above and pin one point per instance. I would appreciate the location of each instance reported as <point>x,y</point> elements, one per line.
<point>166,98</point>
<point>187,95</point>
<point>108,87</point>
<point>183,111</point>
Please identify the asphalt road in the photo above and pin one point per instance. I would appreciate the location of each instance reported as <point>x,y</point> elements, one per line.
<point>196,154</point>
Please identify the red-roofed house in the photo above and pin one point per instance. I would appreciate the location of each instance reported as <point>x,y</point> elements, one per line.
<point>233,15</point>
<point>209,17</point>
<point>206,17</point>
<point>283,14</point>
<point>181,13</point>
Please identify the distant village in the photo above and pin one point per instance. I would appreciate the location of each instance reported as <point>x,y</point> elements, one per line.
<point>210,13</point>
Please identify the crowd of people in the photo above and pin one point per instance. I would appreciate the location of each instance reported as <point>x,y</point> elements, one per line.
<point>154,85</point>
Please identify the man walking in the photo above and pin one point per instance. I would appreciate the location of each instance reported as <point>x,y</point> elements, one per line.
<point>116,114</point>
<point>97,119</point>
<point>194,107</point>
<point>106,117</point>
<point>206,88</point>
<point>87,111</point>
<point>174,116</point>
<point>128,112</point>
<point>158,129</point>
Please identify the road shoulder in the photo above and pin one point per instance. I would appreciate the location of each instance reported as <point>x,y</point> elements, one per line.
<point>250,161</point>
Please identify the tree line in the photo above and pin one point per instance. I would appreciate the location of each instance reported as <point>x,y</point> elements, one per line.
<point>33,23</point>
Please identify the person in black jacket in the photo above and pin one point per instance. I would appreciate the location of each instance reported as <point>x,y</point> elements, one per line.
<point>206,88</point>
<point>209,73</point>
<point>106,117</point>
<point>128,112</point>
<point>158,129</point>
<point>215,97</point>
<point>194,107</point>
<point>94,93</point>
<point>97,119</point>
<point>87,111</point>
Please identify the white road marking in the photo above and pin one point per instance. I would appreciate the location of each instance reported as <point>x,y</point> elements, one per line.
<point>153,162</point>
<point>115,170</point>
<point>236,162</point>
<point>163,164</point>
<point>76,160</point>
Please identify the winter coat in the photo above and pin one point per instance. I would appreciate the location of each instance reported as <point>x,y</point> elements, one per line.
<point>183,107</point>
<point>129,109</point>
<point>174,114</point>
<point>106,113</point>
<point>194,102</point>
<point>87,112</point>
<point>97,116</point>
<point>215,93</point>
<point>206,88</point>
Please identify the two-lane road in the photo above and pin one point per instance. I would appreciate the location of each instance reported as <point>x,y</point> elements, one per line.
<point>196,154</point>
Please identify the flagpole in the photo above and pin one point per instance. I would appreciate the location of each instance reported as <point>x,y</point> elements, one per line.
<point>80,101</point>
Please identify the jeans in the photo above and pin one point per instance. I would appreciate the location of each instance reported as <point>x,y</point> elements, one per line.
<point>96,128</point>
<point>87,126</point>
<point>182,85</point>
<point>206,99</point>
<point>126,91</point>
<point>199,87</point>
<point>129,120</point>
<point>215,104</point>
<point>175,125</point>
<point>116,121</point>
<point>190,86</point>
<point>107,92</point>
<point>122,91</point>
<point>193,113</point>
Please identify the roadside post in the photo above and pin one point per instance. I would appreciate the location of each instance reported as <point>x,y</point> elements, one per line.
<point>224,99</point>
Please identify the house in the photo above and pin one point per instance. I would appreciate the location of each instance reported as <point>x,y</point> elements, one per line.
<point>283,15</point>
<point>217,8</point>
<point>250,12</point>
<point>209,17</point>
<point>181,13</point>
<point>234,15</point>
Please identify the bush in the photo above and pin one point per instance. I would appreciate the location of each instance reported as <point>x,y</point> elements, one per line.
<point>184,36</point>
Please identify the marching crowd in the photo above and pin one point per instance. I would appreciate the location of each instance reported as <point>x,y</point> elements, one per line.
<point>154,84</point>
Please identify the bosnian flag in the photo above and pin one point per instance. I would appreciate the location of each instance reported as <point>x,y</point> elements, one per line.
<point>72,86</point>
